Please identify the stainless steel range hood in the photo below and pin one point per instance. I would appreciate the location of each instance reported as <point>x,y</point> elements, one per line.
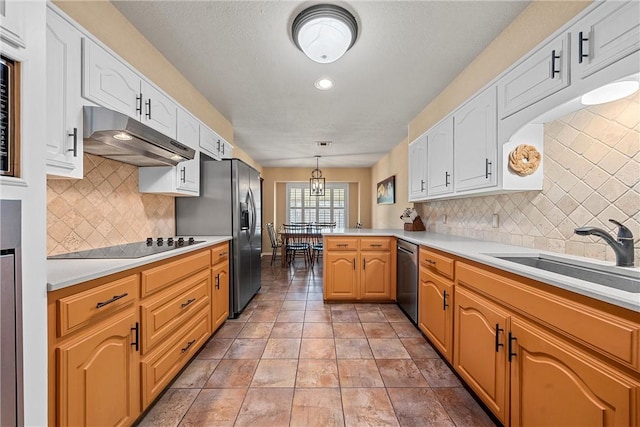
<point>116,136</point>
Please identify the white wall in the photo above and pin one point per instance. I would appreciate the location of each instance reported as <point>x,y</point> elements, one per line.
<point>31,189</point>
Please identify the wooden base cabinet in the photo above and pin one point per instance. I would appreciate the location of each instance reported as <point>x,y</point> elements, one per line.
<point>435,314</point>
<point>480,353</point>
<point>220,294</point>
<point>359,269</point>
<point>512,348</point>
<point>554,384</point>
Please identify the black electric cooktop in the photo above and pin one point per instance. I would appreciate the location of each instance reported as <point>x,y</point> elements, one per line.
<point>132,250</point>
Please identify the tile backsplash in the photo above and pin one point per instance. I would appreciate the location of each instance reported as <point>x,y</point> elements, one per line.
<point>591,174</point>
<point>104,209</point>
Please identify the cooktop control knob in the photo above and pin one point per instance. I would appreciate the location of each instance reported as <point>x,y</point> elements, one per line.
<point>160,241</point>
<point>191,240</point>
<point>149,241</point>
<point>180,241</point>
<point>170,241</point>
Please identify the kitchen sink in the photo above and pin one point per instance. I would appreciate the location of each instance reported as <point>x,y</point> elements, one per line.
<point>627,280</point>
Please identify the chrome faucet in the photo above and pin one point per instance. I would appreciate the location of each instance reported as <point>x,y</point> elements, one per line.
<point>623,246</point>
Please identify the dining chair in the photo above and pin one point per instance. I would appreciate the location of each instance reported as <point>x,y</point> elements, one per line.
<point>317,246</point>
<point>276,244</point>
<point>296,242</point>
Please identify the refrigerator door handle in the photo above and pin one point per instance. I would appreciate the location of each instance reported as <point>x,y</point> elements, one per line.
<point>252,226</point>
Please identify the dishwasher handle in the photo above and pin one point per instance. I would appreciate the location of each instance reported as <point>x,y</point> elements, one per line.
<point>407,251</point>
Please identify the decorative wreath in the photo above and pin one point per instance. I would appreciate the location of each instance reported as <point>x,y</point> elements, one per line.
<point>524,160</point>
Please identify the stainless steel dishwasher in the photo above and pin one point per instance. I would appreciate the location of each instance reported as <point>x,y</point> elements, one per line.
<point>407,278</point>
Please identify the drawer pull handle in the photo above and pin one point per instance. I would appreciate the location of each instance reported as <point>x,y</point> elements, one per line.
<point>444,300</point>
<point>107,302</point>
<point>188,303</point>
<point>189,344</point>
<point>430,261</point>
<point>222,254</point>
<point>376,245</point>
<point>511,352</point>
<point>342,245</point>
<point>136,343</point>
<point>498,343</point>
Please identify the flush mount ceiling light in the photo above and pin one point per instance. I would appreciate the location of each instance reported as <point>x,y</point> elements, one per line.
<point>323,84</point>
<point>610,92</point>
<point>324,32</point>
<point>316,182</point>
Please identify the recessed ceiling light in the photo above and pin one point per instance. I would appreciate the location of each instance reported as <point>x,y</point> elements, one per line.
<point>610,92</point>
<point>324,32</point>
<point>323,84</point>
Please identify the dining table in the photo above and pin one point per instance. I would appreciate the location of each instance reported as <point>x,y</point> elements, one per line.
<point>309,234</point>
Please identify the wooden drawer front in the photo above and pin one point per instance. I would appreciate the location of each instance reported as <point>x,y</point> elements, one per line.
<point>437,263</point>
<point>610,335</point>
<point>159,277</point>
<point>160,367</point>
<point>170,309</point>
<point>220,253</point>
<point>341,243</point>
<point>375,243</point>
<point>79,309</point>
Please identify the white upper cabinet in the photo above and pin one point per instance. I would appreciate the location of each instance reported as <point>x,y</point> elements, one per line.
<point>188,173</point>
<point>476,142</point>
<point>418,169</point>
<point>542,73</point>
<point>110,83</point>
<point>182,179</point>
<point>12,22</point>
<point>214,145</point>
<point>606,35</point>
<point>440,158</point>
<point>64,103</point>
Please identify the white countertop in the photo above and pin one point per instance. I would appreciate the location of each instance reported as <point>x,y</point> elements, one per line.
<point>68,272</point>
<point>485,252</point>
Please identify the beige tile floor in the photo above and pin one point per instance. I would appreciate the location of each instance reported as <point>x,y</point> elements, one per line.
<point>291,360</point>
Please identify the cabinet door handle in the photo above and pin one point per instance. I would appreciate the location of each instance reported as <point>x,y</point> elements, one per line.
<point>75,142</point>
<point>498,343</point>
<point>218,281</point>
<point>109,301</point>
<point>218,146</point>
<point>487,166</point>
<point>354,263</point>
<point>364,263</point>
<point>136,343</point>
<point>554,57</point>
<point>511,352</point>
<point>444,300</point>
<point>183,174</point>
<point>148,105</point>
<point>446,179</point>
<point>139,104</point>
<point>422,185</point>
<point>189,344</point>
<point>188,303</point>
<point>223,149</point>
<point>581,54</point>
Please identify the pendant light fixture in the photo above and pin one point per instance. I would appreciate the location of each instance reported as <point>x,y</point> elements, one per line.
<point>316,182</point>
<point>324,32</point>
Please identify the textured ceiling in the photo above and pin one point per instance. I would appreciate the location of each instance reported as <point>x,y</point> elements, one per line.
<point>240,55</point>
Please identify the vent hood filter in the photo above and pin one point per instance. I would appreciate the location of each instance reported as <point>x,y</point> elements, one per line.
<point>116,136</point>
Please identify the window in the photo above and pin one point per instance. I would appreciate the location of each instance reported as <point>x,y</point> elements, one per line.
<point>332,207</point>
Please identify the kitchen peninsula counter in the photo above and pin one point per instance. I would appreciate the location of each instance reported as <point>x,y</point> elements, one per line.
<point>485,252</point>
<point>62,273</point>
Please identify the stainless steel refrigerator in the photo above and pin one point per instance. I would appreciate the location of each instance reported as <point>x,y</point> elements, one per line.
<point>229,204</point>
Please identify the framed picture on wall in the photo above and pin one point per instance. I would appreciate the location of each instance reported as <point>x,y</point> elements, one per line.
<point>386,191</point>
